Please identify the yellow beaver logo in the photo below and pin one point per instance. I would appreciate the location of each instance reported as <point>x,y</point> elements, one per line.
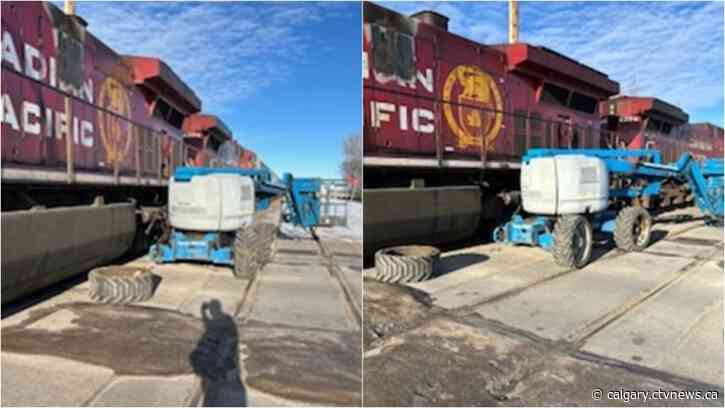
<point>475,106</point>
<point>115,128</point>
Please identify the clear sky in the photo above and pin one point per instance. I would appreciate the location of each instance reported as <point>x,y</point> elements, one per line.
<point>670,50</point>
<point>284,77</point>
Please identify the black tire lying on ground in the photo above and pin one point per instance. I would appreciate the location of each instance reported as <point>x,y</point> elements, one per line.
<point>245,253</point>
<point>121,285</point>
<point>633,229</point>
<point>406,263</point>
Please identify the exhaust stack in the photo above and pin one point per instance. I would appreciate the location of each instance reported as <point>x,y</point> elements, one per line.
<point>69,7</point>
<point>432,18</point>
<point>513,22</point>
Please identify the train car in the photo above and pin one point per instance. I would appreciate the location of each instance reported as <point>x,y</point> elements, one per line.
<point>705,140</point>
<point>651,123</point>
<point>248,159</point>
<point>451,117</point>
<point>89,139</point>
<point>646,123</point>
<point>205,135</point>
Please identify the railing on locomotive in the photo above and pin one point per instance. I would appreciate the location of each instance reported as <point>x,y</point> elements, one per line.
<point>146,161</point>
<point>607,138</point>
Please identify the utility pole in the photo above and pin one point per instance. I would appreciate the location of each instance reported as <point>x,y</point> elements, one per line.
<point>513,22</point>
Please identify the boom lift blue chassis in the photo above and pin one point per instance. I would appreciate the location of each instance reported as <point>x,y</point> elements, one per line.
<point>302,208</point>
<point>630,179</point>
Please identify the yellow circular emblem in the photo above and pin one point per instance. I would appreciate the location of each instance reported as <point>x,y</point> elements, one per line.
<point>116,130</point>
<point>472,106</point>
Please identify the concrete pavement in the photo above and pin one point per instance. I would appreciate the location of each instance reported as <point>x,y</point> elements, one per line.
<point>658,313</point>
<point>286,338</point>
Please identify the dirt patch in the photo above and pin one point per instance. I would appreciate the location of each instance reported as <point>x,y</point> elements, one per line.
<point>316,366</point>
<point>392,308</point>
<point>443,360</point>
<point>446,362</point>
<point>127,339</point>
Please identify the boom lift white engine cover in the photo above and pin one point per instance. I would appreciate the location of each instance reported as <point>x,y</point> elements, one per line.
<point>214,202</point>
<point>564,185</point>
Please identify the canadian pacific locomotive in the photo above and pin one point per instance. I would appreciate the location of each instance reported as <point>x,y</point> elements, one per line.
<point>446,120</point>
<point>82,124</point>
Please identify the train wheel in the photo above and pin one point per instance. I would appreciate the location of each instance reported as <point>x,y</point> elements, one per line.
<point>407,263</point>
<point>245,253</point>
<point>573,237</point>
<point>633,229</point>
<point>121,285</point>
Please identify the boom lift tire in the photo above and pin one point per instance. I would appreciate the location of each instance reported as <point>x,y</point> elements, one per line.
<point>267,234</point>
<point>406,263</point>
<point>573,237</point>
<point>245,254</point>
<point>633,229</point>
<point>121,285</point>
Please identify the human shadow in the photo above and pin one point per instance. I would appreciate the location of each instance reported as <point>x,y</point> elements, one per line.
<point>215,359</point>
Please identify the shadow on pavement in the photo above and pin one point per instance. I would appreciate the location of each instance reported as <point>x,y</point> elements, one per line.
<point>452,263</point>
<point>215,359</point>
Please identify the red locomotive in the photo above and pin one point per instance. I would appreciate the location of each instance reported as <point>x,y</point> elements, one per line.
<point>651,123</point>
<point>76,113</point>
<point>446,120</point>
<point>451,118</point>
<point>83,124</point>
<point>705,140</point>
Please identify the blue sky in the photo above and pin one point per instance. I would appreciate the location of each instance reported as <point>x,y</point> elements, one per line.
<point>671,50</point>
<point>284,77</point>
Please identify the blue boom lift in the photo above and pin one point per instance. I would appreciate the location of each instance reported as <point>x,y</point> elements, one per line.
<point>569,193</point>
<point>230,216</point>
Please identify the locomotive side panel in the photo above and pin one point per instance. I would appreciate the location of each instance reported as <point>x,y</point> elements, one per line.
<point>705,140</point>
<point>433,95</point>
<point>426,93</point>
<point>62,87</point>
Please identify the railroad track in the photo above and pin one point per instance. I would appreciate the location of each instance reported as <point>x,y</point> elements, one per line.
<point>315,256</point>
<point>595,326</point>
<point>612,254</point>
<point>352,301</point>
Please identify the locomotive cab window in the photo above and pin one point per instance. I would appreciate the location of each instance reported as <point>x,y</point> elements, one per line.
<point>666,128</point>
<point>582,103</point>
<point>554,94</point>
<point>176,118</point>
<point>161,109</point>
<point>393,53</point>
<point>560,96</point>
<point>164,111</point>
<point>654,125</point>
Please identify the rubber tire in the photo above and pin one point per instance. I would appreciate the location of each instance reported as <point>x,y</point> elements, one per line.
<point>563,249</point>
<point>407,263</point>
<point>267,234</point>
<point>121,285</point>
<point>245,254</point>
<point>624,227</point>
